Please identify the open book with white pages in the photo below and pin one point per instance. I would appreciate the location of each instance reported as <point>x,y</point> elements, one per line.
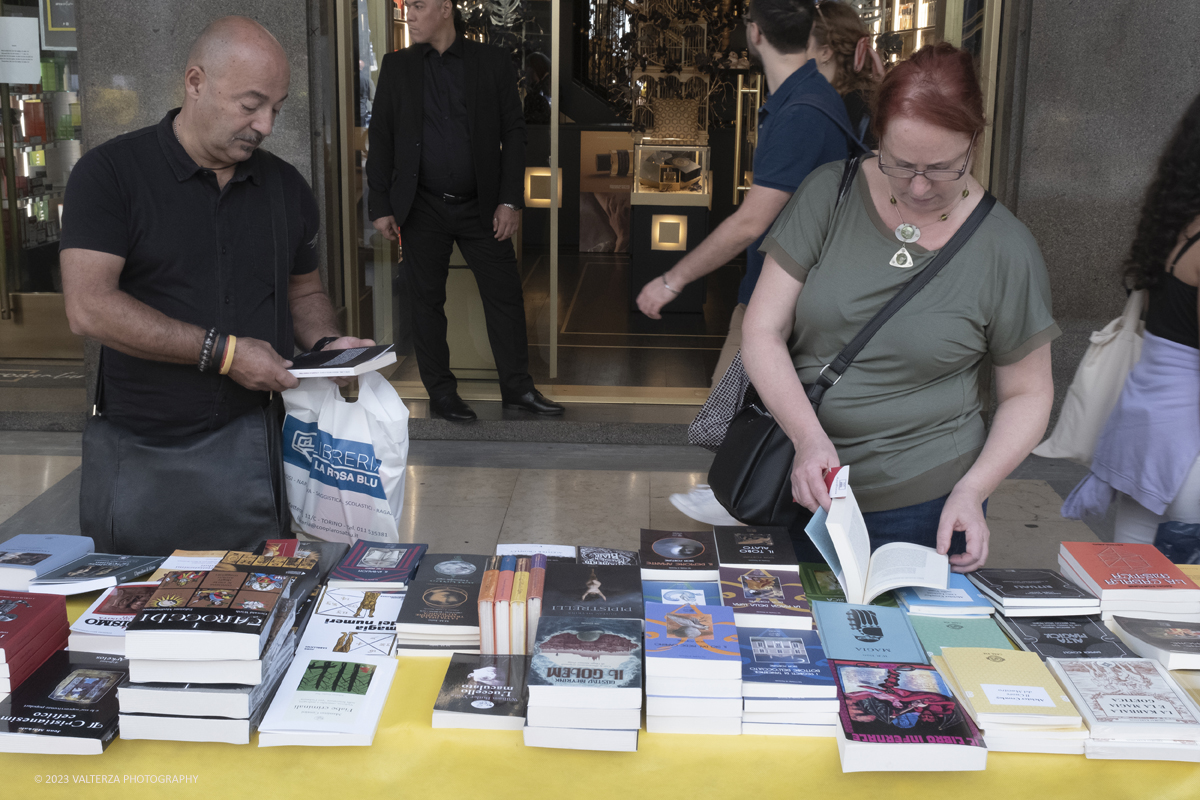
<point>841,536</point>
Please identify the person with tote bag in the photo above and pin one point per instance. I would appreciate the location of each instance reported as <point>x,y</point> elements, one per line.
<point>1148,455</point>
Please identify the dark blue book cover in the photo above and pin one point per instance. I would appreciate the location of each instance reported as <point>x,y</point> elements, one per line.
<point>379,562</point>
<point>774,655</point>
<point>867,633</point>
<point>598,592</point>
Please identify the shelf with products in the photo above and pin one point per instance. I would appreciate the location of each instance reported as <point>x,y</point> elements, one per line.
<point>671,173</point>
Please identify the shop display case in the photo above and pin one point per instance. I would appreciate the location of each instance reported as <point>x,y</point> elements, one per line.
<point>671,174</point>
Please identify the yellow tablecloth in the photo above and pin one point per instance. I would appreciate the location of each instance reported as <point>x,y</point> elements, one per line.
<point>412,760</point>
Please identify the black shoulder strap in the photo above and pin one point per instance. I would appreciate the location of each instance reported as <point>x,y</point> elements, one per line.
<point>832,372</point>
<point>274,183</point>
<point>848,173</point>
<point>1191,240</point>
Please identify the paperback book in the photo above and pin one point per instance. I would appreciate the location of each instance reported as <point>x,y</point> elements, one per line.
<point>678,555</point>
<point>744,547</point>
<point>1128,698</point>
<point>1011,589</point>
<point>444,596</point>
<point>902,717</point>
<point>94,572</point>
<point>1009,688</point>
<point>330,701</point>
<point>554,553</point>
<point>483,691</point>
<point>586,663</point>
<point>101,628</point>
<point>867,633</point>
<point>599,592</point>
<point>67,707</point>
<point>692,641</point>
<point>782,663</point>
<point>377,565</point>
<point>1065,637</point>
<point>841,537</point>
<point>820,583</point>
<point>222,614</point>
<point>1127,573</point>
<point>27,556</point>
<point>1175,645</point>
<point>353,621</point>
<point>26,617</point>
<point>344,363</point>
<point>936,633</point>
<point>761,597</point>
<point>960,598</point>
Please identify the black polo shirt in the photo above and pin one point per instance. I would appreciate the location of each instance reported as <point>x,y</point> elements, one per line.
<point>193,251</point>
<point>447,164</point>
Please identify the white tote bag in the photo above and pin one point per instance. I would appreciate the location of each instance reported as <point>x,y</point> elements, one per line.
<point>344,463</point>
<point>1097,385</point>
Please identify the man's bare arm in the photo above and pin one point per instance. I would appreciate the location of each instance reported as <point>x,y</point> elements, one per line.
<point>97,308</point>
<point>735,234</point>
<point>312,313</point>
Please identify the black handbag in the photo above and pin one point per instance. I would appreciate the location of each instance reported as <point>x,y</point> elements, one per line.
<point>214,490</point>
<point>751,473</point>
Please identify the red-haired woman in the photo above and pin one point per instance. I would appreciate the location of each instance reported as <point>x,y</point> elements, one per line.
<point>908,414</point>
<point>840,44</point>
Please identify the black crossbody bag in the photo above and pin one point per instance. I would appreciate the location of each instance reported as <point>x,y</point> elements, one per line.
<point>751,474</point>
<point>214,490</point>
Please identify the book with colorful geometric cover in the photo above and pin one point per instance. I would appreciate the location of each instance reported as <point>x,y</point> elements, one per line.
<point>902,717</point>
<point>692,641</point>
<point>765,597</point>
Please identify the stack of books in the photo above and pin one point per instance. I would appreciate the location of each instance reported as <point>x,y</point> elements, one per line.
<point>1013,697</point>
<point>485,692</point>
<point>101,628</point>
<point>505,610</point>
<point>1132,707</point>
<point>68,706</point>
<point>352,622</point>
<point>787,688</point>
<point>1174,644</point>
<point>693,670</point>
<point>330,701</point>
<point>761,597</point>
<point>960,598</point>
<point>204,633</point>
<point>897,717</point>
<point>585,684</point>
<point>377,565</point>
<point>33,627</point>
<point>440,614</point>
<point>1034,593</point>
<point>28,556</point>
<point>1133,580</point>
<point>701,593</point>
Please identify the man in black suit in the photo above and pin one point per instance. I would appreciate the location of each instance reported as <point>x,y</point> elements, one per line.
<point>446,165</point>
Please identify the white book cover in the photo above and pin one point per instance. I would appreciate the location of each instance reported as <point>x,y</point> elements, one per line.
<point>1128,698</point>
<point>28,555</point>
<point>353,621</point>
<point>113,609</point>
<point>331,694</point>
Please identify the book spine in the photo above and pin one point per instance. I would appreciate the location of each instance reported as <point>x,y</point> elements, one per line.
<point>487,598</point>
<point>533,604</point>
<point>517,607</point>
<point>504,585</point>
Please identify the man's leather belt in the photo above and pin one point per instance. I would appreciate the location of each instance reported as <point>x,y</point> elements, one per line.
<point>457,199</point>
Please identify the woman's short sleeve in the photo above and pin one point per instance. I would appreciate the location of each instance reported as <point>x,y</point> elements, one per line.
<point>798,235</point>
<point>1021,320</point>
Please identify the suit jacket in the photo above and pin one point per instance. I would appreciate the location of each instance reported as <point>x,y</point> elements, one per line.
<point>497,127</point>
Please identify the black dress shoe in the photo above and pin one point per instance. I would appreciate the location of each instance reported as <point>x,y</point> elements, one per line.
<point>533,402</point>
<point>451,407</point>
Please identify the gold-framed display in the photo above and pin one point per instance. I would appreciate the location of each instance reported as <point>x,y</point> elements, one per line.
<point>672,173</point>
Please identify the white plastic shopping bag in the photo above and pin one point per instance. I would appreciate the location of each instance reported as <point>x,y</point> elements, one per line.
<point>344,462</point>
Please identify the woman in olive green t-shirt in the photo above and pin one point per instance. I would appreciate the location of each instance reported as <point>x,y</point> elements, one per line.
<point>907,415</point>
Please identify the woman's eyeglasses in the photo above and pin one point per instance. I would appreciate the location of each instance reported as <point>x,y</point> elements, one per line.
<point>908,173</point>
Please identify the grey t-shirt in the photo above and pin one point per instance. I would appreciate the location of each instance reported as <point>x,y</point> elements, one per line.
<point>907,415</point>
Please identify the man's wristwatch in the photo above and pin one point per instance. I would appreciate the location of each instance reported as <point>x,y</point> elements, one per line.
<point>510,205</point>
<point>323,343</point>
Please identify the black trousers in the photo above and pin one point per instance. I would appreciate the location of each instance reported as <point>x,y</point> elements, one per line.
<point>428,236</point>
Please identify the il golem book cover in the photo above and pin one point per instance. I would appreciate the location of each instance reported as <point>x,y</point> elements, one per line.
<point>891,703</point>
<point>591,653</point>
<point>761,591</point>
<point>603,592</point>
<point>73,694</point>
<point>379,562</point>
<point>491,685</point>
<point>678,550</point>
<point>226,601</point>
<point>689,631</point>
<point>774,655</point>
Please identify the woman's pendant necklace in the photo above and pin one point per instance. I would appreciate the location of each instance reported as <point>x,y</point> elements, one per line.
<point>908,233</point>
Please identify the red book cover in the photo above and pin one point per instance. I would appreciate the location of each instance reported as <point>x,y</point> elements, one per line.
<point>1126,566</point>
<point>24,616</point>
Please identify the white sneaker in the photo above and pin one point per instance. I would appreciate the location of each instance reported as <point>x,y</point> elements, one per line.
<point>702,506</point>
